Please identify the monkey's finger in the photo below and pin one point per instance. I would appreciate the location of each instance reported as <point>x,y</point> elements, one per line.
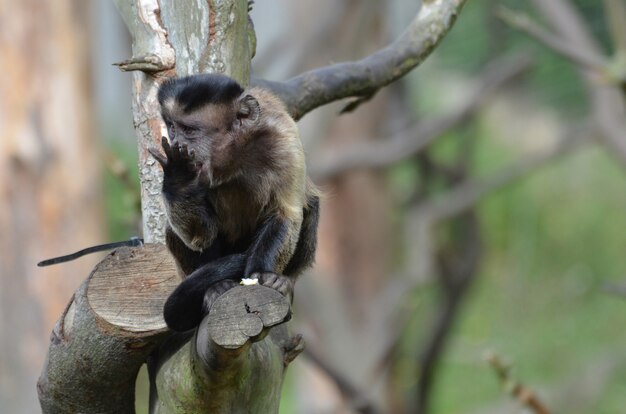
<point>158,156</point>
<point>175,147</point>
<point>175,150</point>
<point>165,144</point>
<point>281,283</point>
<point>186,153</point>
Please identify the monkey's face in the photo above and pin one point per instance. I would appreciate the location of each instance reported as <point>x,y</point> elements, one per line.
<point>216,135</point>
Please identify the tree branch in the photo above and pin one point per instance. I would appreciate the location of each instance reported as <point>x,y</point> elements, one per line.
<point>114,323</point>
<point>517,390</point>
<point>615,12</point>
<point>580,56</point>
<point>459,200</point>
<point>609,107</point>
<point>466,195</point>
<point>616,289</point>
<point>458,268</point>
<point>365,77</point>
<point>106,333</point>
<point>383,153</point>
<point>356,397</point>
<point>242,337</point>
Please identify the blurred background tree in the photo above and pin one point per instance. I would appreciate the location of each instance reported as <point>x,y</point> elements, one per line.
<point>422,267</point>
<point>50,180</point>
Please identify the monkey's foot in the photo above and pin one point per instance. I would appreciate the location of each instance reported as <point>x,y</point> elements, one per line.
<point>215,291</point>
<point>283,284</point>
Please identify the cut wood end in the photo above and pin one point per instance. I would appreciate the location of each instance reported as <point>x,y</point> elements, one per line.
<point>129,287</point>
<point>244,312</point>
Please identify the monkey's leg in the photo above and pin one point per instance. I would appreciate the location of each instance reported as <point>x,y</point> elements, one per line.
<point>184,309</point>
<point>304,255</point>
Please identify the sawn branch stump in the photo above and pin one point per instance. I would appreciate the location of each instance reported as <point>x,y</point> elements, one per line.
<point>234,362</point>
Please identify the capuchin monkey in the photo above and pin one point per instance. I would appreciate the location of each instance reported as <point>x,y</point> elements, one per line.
<point>238,201</point>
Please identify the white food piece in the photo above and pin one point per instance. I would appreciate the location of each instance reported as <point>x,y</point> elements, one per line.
<point>249,282</point>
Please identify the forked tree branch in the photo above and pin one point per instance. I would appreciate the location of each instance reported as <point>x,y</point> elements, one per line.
<point>467,194</point>
<point>357,397</point>
<point>362,79</point>
<point>462,198</point>
<point>580,56</point>
<point>608,101</point>
<point>383,153</point>
<point>615,12</point>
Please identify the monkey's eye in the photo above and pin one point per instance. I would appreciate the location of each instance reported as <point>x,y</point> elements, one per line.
<point>187,130</point>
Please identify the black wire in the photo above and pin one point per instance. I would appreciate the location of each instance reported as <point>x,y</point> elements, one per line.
<point>133,241</point>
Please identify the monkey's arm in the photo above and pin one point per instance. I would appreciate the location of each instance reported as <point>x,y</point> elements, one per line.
<point>189,213</point>
<point>275,259</point>
<point>273,239</point>
<point>269,245</point>
<point>304,255</point>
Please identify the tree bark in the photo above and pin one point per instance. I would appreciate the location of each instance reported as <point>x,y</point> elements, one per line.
<point>111,325</point>
<point>167,41</point>
<point>114,323</point>
<point>234,363</point>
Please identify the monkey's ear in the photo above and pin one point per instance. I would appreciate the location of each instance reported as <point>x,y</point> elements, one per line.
<point>249,109</point>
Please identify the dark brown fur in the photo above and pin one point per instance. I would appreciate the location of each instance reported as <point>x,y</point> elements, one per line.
<point>235,190</point>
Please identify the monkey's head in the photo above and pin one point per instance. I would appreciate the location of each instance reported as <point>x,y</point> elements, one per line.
<point>212,116</point>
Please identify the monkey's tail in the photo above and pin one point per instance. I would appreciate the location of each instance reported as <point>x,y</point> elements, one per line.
<point>133,241</point>
<point>184,308</point>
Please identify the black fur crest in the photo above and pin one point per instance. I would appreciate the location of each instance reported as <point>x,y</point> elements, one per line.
<point>193,92</point>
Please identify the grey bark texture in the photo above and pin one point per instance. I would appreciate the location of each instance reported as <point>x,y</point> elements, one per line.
<point>114,324</point>
<point>106,333</point>
<point>177,38</point>
<point>235,361</point>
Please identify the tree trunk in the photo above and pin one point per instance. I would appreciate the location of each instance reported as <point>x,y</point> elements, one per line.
<point>48,208</point>
<point>168,42</point>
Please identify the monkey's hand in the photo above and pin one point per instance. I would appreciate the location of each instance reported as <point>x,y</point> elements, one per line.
<point>281,283</point>
<point>179,162</point>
